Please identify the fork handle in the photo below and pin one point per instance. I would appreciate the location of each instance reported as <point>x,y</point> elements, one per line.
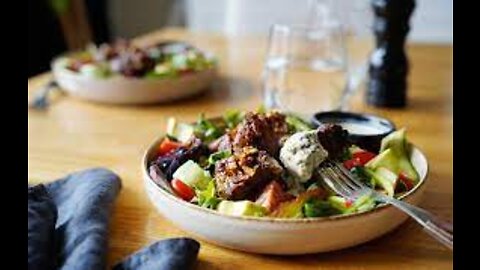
<point>440,230</point>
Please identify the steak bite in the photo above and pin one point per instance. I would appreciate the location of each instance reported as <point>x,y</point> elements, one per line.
<point>246,171</point>
<point>273,195</point>
<point>334,139</point>
<point>224,142</point>
<point>262,131</point>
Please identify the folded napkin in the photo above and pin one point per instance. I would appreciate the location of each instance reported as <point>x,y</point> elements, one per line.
<point>68,227</point>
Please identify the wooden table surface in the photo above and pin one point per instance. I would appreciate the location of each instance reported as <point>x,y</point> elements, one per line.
<point>74,135</point>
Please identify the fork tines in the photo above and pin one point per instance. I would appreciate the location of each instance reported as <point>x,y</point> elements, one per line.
<point>341,180</point>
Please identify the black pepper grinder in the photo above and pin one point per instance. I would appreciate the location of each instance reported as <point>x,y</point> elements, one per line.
<point>388,69</point>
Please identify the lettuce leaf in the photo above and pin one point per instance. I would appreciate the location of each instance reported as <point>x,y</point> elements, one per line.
<point>207,197</point>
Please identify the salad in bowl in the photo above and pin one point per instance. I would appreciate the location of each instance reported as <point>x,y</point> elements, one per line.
<point>162,60</point>
<point>124,73</point>
<point>264,164</point>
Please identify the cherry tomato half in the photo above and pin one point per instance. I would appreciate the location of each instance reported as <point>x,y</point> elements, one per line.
<point>363,156</point>
<point>349,164</point>
<point>407,182</point>
<point>358,159</point>
<point>348,203</point>
<point>168,146</point>
<point>183,190</point>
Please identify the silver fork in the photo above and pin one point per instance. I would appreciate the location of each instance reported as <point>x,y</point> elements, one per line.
<point>345,184</point>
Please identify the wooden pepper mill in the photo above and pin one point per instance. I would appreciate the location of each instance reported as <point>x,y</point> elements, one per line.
<point>388,66</point>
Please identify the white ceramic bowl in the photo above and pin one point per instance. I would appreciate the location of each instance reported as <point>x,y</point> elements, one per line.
<point>123,90</point>
<point>282,236</point>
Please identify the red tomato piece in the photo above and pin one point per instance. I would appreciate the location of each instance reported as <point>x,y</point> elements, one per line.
<point>183,190</point>
<point>348,203</point>
<point>407,182</point>
<point>167,146</point>
<point>349,164</point>
<point>363,156</point>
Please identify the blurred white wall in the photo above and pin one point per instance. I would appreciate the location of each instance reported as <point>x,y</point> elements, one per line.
<point>432,21</point>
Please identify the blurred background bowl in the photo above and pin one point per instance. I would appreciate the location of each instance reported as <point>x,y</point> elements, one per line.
<point>123,90</point>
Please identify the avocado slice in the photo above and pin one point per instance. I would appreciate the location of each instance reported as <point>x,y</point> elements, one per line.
<point>394,156</point>
<point>361,204</point>
<point>385,178</point>
<point>386,159</point>
<point>339,203</point>
<point>241,208</point>
<point>364,203</point>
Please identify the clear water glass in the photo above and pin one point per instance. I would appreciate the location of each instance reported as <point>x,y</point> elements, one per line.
<point>305,69</point>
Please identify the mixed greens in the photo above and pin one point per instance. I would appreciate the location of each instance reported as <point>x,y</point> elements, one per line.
<point>159,61</point>
<point>264,163</point>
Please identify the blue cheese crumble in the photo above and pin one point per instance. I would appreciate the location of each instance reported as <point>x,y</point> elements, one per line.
<point>301,154</point>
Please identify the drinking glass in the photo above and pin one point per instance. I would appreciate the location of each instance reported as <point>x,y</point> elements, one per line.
<point>319,64</point>
<point>357,20</point>
<point>305,70</point>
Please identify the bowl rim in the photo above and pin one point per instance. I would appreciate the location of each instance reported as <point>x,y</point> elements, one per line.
<point>340,217</point>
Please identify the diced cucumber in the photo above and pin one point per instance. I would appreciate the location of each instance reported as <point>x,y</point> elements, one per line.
<point>241,208</point>
<point>193,175</point>
<point>181,131</point>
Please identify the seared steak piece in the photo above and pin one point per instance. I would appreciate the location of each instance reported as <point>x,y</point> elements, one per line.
<point>272,195</point>
<point>222,143</point>
<point>262,131</point>
<point>245,172</point>
<point>334,139</point>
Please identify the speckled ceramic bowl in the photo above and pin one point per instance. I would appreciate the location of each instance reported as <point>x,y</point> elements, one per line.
<point>281,236</point>
<point>132,91</point>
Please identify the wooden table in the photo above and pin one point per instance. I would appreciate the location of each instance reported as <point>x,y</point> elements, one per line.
<point>75,135</point>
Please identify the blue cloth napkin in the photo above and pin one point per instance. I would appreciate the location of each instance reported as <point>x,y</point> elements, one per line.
<point>68,227</point>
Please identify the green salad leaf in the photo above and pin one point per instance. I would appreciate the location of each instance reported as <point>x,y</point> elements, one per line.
<point>297,124</point>
<point>207,197</point>
<point>361,204</point>
<point>213,158</point>
<point>318,208</point>
<point>162,71</point>
<point>364,174</point>
<point>364,203</point>
<point>233,117</point>
<point>261,109</point>
<point>207,130</point>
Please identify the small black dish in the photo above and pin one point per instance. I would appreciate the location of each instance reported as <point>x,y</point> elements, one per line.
<point>365,130</point>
